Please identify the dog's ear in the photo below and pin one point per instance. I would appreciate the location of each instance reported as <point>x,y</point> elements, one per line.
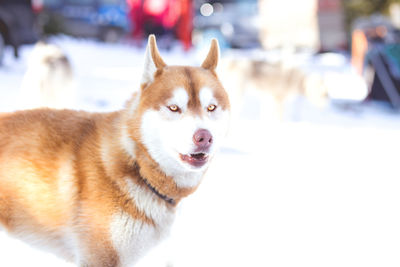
<point>211,60</point>
<point>152,61</point>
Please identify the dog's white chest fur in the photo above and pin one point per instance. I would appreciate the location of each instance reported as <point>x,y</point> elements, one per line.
<point>132,238</point>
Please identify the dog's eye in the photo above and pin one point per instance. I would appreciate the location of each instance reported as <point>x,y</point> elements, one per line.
<point>211,107</point>
<point>174,108</point>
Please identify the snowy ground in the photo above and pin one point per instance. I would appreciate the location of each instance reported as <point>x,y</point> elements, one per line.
<point>321,190</point>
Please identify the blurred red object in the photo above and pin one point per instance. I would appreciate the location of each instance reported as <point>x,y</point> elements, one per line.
<point>37,6</point>
<point>185,25</point>
<point>162,17</point>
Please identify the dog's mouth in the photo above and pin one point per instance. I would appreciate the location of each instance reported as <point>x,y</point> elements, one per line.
<point>197,159</point>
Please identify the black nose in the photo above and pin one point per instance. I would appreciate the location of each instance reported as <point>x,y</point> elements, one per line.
<point>202,139</point>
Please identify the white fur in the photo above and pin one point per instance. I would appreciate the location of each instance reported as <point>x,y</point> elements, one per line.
<point>217,121</point>
<point>130,237</point>
<point>167,134</point>
<point>66,189</point>
<point>149,67</point>
<point>206,97</point>
<point>149,203</point>
<point>48,241</point>
<point>135,103</point>
<point>66,184</point>
<point>133,238</point>
<point>180,98</point>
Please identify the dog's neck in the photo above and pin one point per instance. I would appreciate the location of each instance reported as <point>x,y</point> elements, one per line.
<point>163,197</point>
<point>162,185</point>
<point>130,158</point>
<point>144,180</point>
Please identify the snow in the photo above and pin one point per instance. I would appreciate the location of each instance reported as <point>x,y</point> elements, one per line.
<point>320,189</point>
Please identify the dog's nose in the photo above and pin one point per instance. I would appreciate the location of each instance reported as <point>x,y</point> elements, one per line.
<point>202,139</point>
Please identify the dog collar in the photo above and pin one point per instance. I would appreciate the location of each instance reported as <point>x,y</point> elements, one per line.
<point>164,197</point>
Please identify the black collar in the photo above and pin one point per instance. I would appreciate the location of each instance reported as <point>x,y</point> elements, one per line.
<point>164,197</point>
<point>152,188</point>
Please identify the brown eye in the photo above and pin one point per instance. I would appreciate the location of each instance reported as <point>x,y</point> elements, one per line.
<point>211,107</point>
<point>174,108</point>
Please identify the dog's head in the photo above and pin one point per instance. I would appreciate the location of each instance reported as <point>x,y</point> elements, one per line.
<point>182,114</point>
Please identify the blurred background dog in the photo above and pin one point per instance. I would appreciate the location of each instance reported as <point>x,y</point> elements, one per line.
<point>48,81</point>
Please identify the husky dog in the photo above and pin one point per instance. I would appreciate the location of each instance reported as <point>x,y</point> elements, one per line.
<point>100,189</point>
